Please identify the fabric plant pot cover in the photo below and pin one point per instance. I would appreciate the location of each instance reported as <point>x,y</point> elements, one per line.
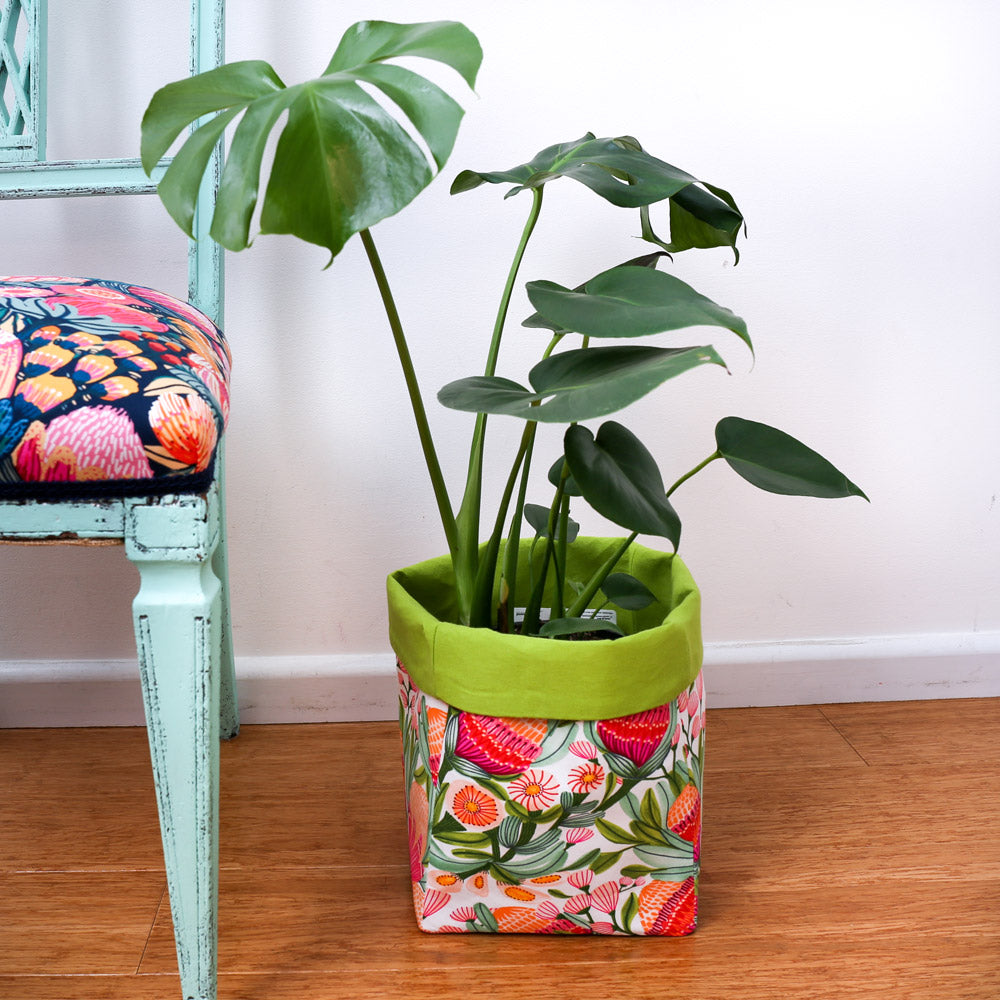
<point>553,786</point>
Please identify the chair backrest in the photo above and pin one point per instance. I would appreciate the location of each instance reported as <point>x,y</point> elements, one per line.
<point>26,173</point>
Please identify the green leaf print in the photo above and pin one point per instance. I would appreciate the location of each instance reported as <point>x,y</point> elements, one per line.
<point>629,912</point>
<point>614,833</point>
<point>605,861</point>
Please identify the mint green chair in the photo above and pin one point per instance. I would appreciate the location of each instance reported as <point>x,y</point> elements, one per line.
<point>113,400</point>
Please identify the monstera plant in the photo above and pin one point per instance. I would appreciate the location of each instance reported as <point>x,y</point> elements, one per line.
<point>552,786</point>
<point>360,142</point>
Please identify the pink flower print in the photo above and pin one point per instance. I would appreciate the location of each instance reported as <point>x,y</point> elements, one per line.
<point>638,736</point>
<point>605,897</point>
<point>534,790</point>
<point>435,900</point>
<point>580,879</point>
<point>682,701</point>
<point>91,444</point>
<point>578,834</point>
<point>500,746</point>
<point>693,704</point>
<point>584,749</point>
<point>18,291</point>
<point>185,426</point>
<point>11,352</point>
<point>45,279</point>
<point>98,300</point>
<point>176,305</point>
<point>602,927</point>
<point>577,904</point>
<point>463,913</point>
<point>586,777</point>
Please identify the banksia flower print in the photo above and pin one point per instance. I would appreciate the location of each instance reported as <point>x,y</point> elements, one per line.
<point>534,826</point>
<point>102,382</point>
<point>636,737</point>
<point>499,746</point>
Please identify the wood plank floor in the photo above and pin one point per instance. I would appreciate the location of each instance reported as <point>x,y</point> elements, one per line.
<point>849,851</point>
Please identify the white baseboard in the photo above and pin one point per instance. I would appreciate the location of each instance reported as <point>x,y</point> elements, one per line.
<point>348,688</point>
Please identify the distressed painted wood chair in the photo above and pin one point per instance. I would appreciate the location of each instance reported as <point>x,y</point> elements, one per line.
<point>113,399</point>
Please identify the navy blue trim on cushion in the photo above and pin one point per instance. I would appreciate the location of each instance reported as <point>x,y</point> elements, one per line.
<point>109,489</point>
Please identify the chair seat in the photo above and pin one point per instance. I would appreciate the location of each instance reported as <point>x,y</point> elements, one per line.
<point>106,388</point>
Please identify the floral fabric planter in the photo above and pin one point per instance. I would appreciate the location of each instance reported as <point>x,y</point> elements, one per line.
<point>552,786</point>
<point>553,827</point>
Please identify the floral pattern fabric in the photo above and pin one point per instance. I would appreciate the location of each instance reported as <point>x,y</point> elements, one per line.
<point>553,827</point>
<point>106,386</point>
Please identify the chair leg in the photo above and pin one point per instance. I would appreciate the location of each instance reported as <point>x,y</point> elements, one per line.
<point>178,629</point>
<point>229,712</point>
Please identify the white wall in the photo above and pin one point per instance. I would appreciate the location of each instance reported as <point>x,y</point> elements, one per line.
<point>859,139</point>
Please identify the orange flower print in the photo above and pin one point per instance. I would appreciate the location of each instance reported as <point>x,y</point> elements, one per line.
<point>185,426</point>
<point>417,816</point>
<point>473,807</point>
<point>444,881</point>
<point>586,777</point>
<point>534,790</point>
<point>46,391</point>
<point>478,884</point>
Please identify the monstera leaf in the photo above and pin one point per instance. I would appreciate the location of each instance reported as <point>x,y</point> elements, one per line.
<point>577,385</point>
<point>630,301</point>
<point>623,173</point>
<point>342,162</point>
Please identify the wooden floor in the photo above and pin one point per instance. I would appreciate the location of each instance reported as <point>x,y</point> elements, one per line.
<point>849,851</point>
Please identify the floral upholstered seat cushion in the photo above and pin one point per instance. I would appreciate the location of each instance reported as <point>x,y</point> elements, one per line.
<point>106,387</point>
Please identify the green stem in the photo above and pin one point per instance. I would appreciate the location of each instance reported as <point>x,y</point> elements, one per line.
<point>600,575</point>
<point>695,470</point>
<point>416,401</point>
<point>486,574</point>
<point>468,514</point>
<point>508,579</point>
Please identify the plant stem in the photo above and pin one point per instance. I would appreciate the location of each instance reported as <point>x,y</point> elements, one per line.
<point>481,608</point>
<point>696,469</point>
<point>416,402</point>
<point>467,521</point>
<point>600,575</point>
<point>508,576</point>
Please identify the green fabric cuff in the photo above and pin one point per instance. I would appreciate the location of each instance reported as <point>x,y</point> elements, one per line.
<point>490,673</point>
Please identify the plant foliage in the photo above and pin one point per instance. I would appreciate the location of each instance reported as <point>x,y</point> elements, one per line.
<point>348,156</point>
